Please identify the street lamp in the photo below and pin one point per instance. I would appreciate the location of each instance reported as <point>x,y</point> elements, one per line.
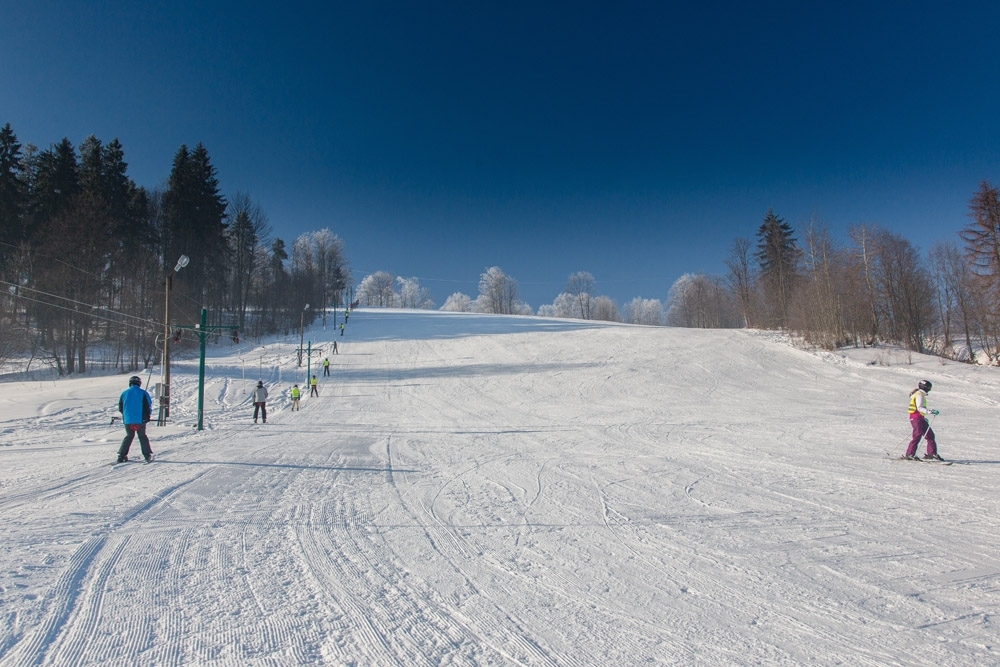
<point>302,332</point>
<point>182,261</point>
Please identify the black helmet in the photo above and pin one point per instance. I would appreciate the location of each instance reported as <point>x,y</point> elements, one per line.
<point>260,383</point>
<point>135,381</point>
<point>924,385</point>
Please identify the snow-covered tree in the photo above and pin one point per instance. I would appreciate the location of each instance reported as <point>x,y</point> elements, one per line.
<point>564,306</point>
<point>498,293</point>
<point>412,295</point>
<point>643,311</point>
<point>459,303</point>
<point>580,286</point>
<point>604,308</point>
<point>376,290</point>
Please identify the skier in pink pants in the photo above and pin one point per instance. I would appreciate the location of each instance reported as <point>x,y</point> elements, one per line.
<point>918,421</point>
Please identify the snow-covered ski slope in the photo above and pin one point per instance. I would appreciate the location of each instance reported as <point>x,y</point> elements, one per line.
<point>477,490</point>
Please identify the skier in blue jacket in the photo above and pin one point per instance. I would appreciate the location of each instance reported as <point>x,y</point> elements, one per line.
<point>137,408</point>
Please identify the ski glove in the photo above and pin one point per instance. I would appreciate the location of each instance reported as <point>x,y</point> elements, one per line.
<point>935,412</point>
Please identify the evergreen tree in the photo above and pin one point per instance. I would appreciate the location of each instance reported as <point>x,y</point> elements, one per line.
<point>56,182</point>
<point>13,195</point>
<point>778,256</point>
<point>195,215</point>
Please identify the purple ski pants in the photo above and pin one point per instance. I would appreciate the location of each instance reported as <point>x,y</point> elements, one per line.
<point>921,429</point>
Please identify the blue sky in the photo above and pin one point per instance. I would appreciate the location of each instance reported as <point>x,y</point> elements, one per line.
<point>633,140</point>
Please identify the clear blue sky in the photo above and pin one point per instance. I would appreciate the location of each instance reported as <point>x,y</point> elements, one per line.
<point>633,140</point>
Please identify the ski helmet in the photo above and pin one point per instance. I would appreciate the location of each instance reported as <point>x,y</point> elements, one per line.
<point>260,383</point>
<point>135,381</point>
<point>924,385</point>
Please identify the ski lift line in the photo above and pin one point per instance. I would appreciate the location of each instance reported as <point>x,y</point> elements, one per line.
<point>56,259</point>
<point>143,326</point>
<point>65,298</point>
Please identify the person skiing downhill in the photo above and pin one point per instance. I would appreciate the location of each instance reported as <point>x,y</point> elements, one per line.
<point>136,407</point>
<point>260,401</point>
<point>918,422</point>
<point>296,395</point>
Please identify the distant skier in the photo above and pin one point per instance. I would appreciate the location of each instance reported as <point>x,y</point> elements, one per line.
<point>136,407</point>
<point>313,390</point>
<point>326,366</point>
<point>335,351</point>
<point>341,328</point>
<point>296,395</point>
<point>918,422</point>
<point>260,401</point>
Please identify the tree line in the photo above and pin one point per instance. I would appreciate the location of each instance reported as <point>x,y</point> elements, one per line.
<point>88,257</point>
<point>876,289</point>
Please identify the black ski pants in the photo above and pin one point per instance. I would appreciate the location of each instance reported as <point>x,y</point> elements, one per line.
<point>131,430</point>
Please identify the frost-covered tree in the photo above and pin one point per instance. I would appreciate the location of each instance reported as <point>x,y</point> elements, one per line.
<point>376,289</point>
<point>498,293</point>
<point>603,308</point>
<point>643,311</point>
<point>459,303</point>
<point>412,295</point>
<point>580,286</point>
<point>564,306</point>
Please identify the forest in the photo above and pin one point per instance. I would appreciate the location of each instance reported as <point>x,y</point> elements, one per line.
<point>98,271</point>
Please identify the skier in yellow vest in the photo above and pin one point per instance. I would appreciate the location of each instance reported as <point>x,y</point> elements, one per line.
<point>918,421</point>
<point>313,390</point>
<point>326,367</point>
<point>296,395</point>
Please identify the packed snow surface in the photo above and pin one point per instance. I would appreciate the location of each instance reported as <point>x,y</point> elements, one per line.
<point>481,490</point>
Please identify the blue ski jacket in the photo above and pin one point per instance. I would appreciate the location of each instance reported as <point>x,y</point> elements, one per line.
<point>135,405</point>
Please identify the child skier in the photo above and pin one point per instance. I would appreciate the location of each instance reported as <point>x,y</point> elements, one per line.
<point>918,422</point>
<point>296,395</point>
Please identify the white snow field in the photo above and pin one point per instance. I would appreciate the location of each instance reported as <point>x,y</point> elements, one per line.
<point>482,490</point>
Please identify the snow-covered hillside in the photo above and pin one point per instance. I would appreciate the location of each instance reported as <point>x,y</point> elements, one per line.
<point>477,490</point>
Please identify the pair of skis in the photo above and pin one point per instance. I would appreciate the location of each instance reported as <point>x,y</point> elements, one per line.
<point>121,463</point>
<point>919,460</point>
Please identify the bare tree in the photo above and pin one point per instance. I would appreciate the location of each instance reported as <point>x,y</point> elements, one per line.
<point>581,286</point>
<point>498,293</point>
<point>864,237</point>
<point>743,280</point>
<point>982,249</point>
<point>700,301</point>
<point>603,308</point>
<point>247,229</point>
<point>905,290</point>
<point>816,311</point>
